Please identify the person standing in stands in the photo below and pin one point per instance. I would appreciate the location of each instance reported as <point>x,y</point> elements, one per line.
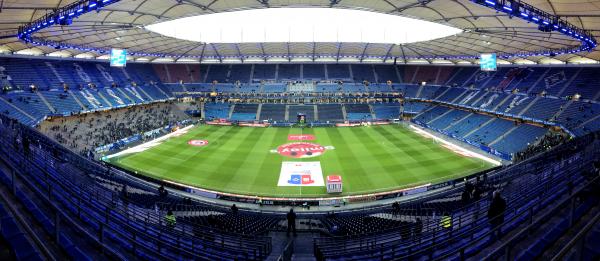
<point>496,212</point>
<point>396,208</point>
<point>446,221</point>
<point>418,228</point>
<point>291,220</point>
<point>170,219</point>
<point>125,194</point>
<point>162,192</point>
<point>26,149</point>
<point>465,197</point>
<point>234,209</point>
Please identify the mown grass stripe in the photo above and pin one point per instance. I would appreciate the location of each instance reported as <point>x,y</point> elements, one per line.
<point>238,159</point>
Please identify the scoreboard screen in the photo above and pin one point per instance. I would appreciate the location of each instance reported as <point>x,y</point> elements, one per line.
<point>488,62</point>
<point>118,57</point>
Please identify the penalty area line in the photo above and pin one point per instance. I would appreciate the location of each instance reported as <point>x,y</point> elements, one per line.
<point>459,150</point>
<point>150,144</point>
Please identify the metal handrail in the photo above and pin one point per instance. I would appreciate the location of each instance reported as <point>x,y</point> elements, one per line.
<point>573,166</point>
<point>408,244</point>
<point>506,245</point>
<point>92,189</point>
<point>577,239</point>
<point>497,177</point>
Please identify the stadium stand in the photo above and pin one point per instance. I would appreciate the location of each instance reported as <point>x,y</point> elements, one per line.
<point>88,205</point>
<point>273,88</point>
<point>313,71</point>
<point>386,73</point>
<point>216,111</point>
<point>120,140</point>
<point>85,132</point>
<point>330,112</point>
<point>240,73</point>
<point>358,112</point>
<point>469,234</point>
<point>386,111</point>
<point>458,118</point>
<point>307,110</point>
<point>288,72</point>
<point>264,72</point>
<point>218,73</point>
<point>244,112</point>
<point>361,72</point>
<point>338,72</point>
<point>272,112</point>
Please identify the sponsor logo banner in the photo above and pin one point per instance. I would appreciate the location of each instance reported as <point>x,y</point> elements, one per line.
<point>301,174</point>
<point>301,137</point>
<point>198,143</point>
<point>301,150</point>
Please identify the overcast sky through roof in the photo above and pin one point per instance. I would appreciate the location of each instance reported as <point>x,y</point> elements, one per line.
<point>302,25</point>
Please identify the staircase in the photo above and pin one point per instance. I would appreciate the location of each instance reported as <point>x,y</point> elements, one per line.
<point>105,100</point>
<point>126,96</point>
<point>571,233</point>
<point>420,89</point>
<point>17,108</point>
<point>231,111</point>
<point>258,111</point>
<point>529,106</point>
<point>144,92</point>
<point>440,116</point>
<point>54,72</point>
<point>502,136</point>
<point>202,110</point>
<point>77,100</point>
<point>562,109</point>
<point>569,82</point>
<point>502,102</point>
<point>372,112</point>
<point>280,241</point>
<point>52,109</point>
<point>458,121</point>
<point>476,129</point>
<point>344,112</point>
<point>454,75</point>
<point>126,73</point>
<point>160,90</point>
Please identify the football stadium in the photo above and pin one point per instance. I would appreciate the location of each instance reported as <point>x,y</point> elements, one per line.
<point>299,130</point>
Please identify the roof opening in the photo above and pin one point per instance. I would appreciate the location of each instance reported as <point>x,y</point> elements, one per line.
<point>302,25</point>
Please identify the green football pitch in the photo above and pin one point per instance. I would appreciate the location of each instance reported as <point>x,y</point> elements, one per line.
<point>245,160</point>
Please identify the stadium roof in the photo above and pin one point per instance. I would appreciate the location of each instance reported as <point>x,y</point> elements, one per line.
<point>122,24</point>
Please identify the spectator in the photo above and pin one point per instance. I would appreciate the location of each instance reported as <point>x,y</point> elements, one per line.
<point>477,193</point>
<point>469,186</point>
<point>396,208</point>
<point>85,132</point>
<point>335,230</point>
<point>446,221</point>
<point>234,209</point>
<point>162,192</point>
<point>170,219</point>
<point>544,144</point>
<point>496,212</point>
<point>26,149</point>
<point>291,222</point>
<point>124,194</point>
<point>418,228</point>
<point>465,197</point>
